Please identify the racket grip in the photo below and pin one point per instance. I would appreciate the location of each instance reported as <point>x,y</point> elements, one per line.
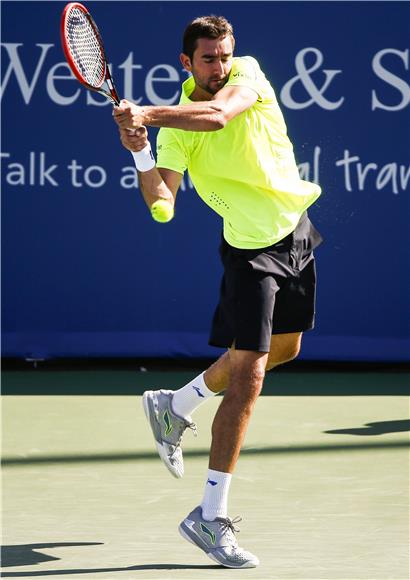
<point>144,159</point>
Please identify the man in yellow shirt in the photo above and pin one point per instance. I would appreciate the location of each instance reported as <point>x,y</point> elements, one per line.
<point>228,132</point>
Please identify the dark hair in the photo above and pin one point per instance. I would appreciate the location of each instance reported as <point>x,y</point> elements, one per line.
<point>205,27</point>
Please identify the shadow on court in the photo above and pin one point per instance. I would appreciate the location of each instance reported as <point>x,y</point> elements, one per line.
<point>144,456</point>
<point>378,428</point>
<point>99,570</point>
<point>27,554</point>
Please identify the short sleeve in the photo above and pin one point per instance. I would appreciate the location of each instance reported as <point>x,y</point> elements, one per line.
<point>246,72</point>
<point>171,153</point>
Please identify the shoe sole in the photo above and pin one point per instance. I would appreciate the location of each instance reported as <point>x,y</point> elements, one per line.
<point>160,448</point>
<point>209,554</point>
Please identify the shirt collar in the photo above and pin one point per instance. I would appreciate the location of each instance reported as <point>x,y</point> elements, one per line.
<point>188,87</point>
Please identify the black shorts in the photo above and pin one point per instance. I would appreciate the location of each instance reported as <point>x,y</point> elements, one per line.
<point>266,291</point>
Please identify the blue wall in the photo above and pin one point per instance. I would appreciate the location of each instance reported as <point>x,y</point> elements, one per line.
<point>86,272</point>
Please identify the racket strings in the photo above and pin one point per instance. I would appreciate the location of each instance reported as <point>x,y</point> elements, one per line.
<point>85,48</point>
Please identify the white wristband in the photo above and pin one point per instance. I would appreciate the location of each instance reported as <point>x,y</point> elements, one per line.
<point>144,159</point>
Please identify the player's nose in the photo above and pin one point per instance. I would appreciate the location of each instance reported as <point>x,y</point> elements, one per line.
<point>219,68</point>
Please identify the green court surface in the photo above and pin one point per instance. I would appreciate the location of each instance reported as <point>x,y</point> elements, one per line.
<point>322,484</point>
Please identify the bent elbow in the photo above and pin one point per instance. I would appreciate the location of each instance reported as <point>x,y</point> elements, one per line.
<point>221,122</point>
<point>219,119</point>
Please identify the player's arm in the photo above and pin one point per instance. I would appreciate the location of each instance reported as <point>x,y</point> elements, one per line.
<point>156,183</point>
<point>211,115</point>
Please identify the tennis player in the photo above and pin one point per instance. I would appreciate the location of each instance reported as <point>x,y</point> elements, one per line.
<point>229,133</point>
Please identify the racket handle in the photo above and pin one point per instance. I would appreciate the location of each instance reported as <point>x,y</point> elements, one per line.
<point>144,159</point>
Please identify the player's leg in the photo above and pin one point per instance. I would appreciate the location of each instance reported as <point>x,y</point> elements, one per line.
<point>208,526</point>
<point>244,372</point>
<point>247,371</point>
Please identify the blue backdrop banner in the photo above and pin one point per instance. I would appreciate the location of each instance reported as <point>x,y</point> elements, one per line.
<point>87,272</point>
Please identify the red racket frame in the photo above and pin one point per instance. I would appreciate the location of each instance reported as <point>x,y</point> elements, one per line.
<point>112,95</point>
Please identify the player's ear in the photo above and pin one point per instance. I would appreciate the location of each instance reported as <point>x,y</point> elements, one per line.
<point>186,62</point>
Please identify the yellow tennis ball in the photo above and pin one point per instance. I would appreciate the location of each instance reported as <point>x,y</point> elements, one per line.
<point>162,211</point>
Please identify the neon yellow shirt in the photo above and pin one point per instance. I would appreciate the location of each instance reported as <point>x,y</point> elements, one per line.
<point>246,171</point>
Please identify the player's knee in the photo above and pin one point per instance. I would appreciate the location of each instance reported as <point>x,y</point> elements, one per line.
<point>258,376</point>
<point>282,356</point>
<point>246,383</point>
<point>244,398</point>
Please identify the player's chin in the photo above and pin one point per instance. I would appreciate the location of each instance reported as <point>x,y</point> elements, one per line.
<point>214,88</point>
<point>217,85</point>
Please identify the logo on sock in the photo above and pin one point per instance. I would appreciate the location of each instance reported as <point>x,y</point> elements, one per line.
<point>198,392</point>
<point>213,483</point>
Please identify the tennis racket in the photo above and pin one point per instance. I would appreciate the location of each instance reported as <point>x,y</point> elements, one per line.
<point>86,57</point>
<point>84,51</point>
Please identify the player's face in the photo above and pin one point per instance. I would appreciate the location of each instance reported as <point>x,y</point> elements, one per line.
<point>211,63</point>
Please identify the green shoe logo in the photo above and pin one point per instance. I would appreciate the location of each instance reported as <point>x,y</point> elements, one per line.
<point>168,424</point>
<point>208,532</point>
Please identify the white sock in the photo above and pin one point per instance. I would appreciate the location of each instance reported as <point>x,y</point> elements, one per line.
<point>190,397</point>
<point>215,501</point>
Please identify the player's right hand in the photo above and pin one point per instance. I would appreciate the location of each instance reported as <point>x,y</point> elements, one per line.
<point>128,115</point>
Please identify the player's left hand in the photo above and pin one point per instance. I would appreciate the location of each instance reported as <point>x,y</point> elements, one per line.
<point>134,139</point>
<point>128,115</point>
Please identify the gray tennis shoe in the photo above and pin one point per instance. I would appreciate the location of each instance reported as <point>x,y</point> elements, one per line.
<point>167,427</point>
<point>217,539</point>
